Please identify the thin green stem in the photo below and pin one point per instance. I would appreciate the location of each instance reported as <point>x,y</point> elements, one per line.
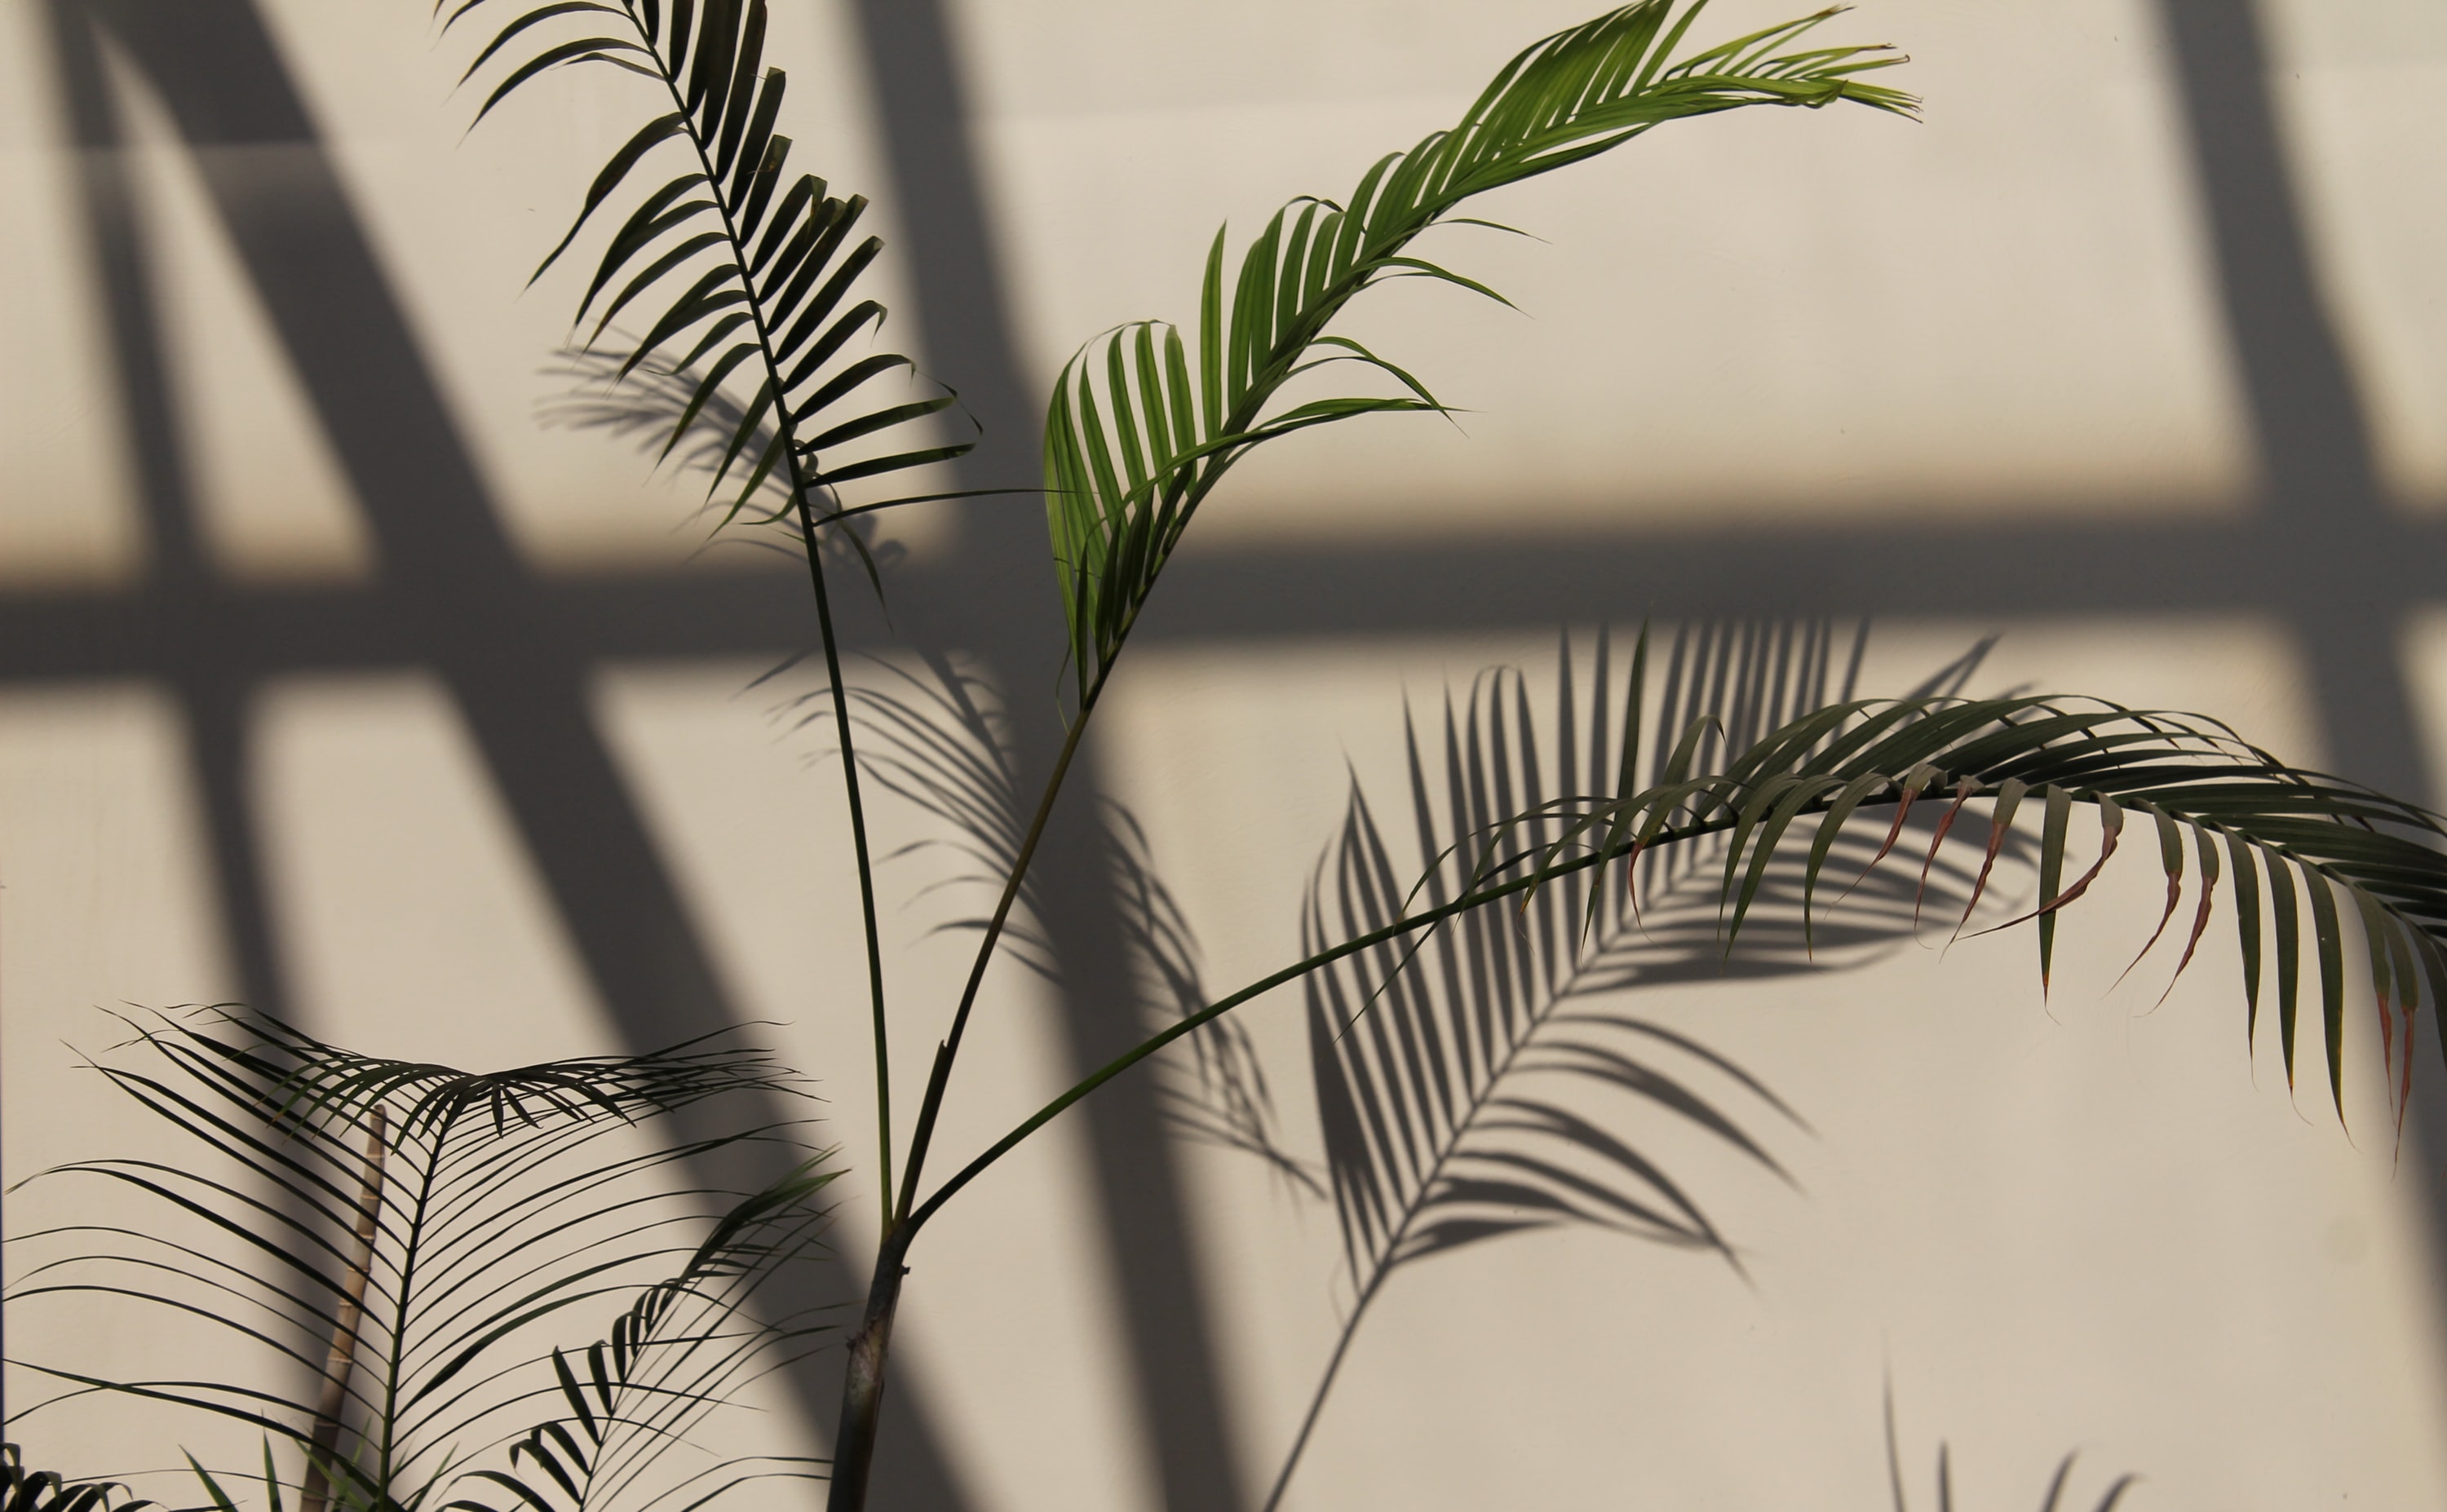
<point>1190,492</point>
<point>1267,983</point>
<point>881,1030</point>
<point>800,488</point>
<point>922,1133</point>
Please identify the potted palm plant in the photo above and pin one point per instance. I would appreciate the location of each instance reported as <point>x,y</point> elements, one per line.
<point>735,283</point>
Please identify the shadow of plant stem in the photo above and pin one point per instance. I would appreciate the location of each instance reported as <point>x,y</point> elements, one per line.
<point>935,737</point>
<point>1453,1075</point>
<point>2053,1502</point>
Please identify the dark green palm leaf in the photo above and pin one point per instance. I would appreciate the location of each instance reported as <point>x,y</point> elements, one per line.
<point>749,278</point>
<point>748,271</point>
<point>681,1349</point>
<point>24,1490</point>
<point>395,1245</point>
<point>1141,429</point>
<point>2355,857</point>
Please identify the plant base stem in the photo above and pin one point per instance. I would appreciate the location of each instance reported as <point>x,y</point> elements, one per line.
<point>862,1384</point>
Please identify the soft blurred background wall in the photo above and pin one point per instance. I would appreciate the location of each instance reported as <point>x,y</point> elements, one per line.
<point>346,673</point>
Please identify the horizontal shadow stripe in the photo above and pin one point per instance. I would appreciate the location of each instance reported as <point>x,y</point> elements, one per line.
<point>1265,592</point>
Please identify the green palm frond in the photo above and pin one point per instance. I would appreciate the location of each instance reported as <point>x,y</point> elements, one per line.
<point>24,1490</point>
<point>385,1250</point>
<point>2325,855</point>
<point>683,1348</point>
<point>739,274</point>
<point>744,276</point>
<point>1141,427</point>
<point>2295,841</point>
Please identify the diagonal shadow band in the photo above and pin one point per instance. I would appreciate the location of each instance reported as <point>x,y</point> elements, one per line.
<point>994,595</point>
<point>212,692</point>
<point>450,574</point>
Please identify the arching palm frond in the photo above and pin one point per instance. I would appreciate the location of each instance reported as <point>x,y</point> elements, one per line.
<point>683,1349</point>
<point>1141,427</point>
<point>739,274</point>
<point>385,1250</point>
<point>2325,854</point>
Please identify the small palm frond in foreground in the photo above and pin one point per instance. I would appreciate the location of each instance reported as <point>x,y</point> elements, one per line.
<point>740,274</point>
<point>385,1257</point>
<point>685,1345</point>
<point>1142,427</point>
<point>24,1490</point>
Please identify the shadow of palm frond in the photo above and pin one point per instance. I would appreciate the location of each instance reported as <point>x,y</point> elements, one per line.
<point>1481,1080</point>
<point>651,408</point>
<point>935,737</point>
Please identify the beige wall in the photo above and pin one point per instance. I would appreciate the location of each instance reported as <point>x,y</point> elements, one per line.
<point>2085,1224</point>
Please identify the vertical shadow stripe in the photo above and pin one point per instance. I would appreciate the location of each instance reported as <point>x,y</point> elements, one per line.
<point>2338,564</point>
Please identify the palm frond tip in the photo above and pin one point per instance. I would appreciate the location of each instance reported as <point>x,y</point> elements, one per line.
<point>1141,428</point>
<point>745,273</point>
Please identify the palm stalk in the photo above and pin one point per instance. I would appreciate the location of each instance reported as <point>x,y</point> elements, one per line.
<point>1118,502</point>
<point>2283,831</point>
<point>760,295</point>
<point>1117,506</point>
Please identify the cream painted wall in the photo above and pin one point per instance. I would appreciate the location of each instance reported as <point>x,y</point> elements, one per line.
<point>2089,1223</point>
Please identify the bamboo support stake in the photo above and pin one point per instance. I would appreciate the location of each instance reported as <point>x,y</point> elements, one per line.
<point>315,1494</point>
